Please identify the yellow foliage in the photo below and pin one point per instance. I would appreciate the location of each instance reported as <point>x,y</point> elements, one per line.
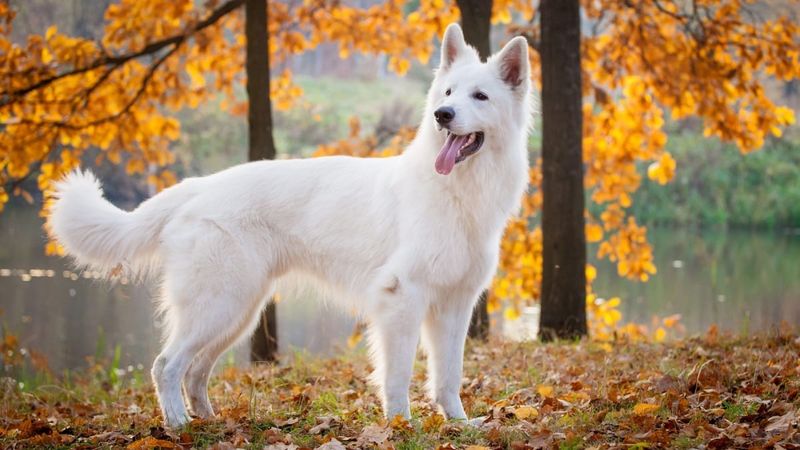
<point>594,232</point>
<point>662,170</point>
<point>122,104</point>
<point>511,313</point>
<point>671,321</point>
<point>660,335</point>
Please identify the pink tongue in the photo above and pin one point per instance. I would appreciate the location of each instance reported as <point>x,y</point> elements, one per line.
<point>449,152</point>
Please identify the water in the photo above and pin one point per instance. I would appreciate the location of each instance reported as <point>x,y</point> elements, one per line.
<point>742,281</point>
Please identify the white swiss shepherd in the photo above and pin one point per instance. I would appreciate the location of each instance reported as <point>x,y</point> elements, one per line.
<point>408,241</point>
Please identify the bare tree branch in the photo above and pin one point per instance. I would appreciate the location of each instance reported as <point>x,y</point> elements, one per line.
<point>142,87</point>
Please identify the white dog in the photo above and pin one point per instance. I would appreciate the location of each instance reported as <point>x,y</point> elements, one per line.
<point>408,241</point>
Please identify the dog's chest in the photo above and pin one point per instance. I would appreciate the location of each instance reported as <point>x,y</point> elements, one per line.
<point>450,248</point>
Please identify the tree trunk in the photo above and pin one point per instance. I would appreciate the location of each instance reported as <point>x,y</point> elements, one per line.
<point>476,22</point>
<point>264,344</point>
<point>563,301</point>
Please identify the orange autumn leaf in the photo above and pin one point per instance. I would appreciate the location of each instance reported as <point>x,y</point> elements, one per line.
<point>545,390</point>
<point>662,170</point>
<point>594,232</point>
<point>150,442</point>
<point>643,409</point>
<point>525,412</point>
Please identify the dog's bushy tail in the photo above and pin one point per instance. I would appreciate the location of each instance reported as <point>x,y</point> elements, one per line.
<point>103,237</point>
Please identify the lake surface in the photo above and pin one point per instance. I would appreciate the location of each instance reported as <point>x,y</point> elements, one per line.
<point>742,281</point>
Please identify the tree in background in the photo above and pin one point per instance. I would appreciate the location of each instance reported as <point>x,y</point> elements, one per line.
<point>640,60</point>
<point>563,292</point>
<point>261,145</point>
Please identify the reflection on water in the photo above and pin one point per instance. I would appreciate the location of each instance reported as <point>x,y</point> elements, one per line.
<point>743,281</point>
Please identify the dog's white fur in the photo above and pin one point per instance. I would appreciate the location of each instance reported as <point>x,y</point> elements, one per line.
<point>407,248</point>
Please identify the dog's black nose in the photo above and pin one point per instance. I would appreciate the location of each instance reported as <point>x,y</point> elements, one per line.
<point>444,115</point>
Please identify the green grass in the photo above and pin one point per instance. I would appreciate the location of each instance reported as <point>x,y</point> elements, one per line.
<point>735,411</point>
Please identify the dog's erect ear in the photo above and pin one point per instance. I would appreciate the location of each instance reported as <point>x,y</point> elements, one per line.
<point>512,62</point>
<point>453,46</point>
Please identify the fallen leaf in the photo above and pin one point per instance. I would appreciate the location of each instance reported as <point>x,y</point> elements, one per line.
<point>525,412</point>
<point>323,425</point>
<point>333,444</point>
<point>33,427</point>
<point>667,383</point>
<point>373,434</point>
<point>150,442</point>
<point>186,438</point>
<point>544,390</point>
<point>399,423</point>
<point>779,424</point>
<point>110,437</point>
<point>222,446</point>
<point>722,441</point>
<point>432,423</point>
<point>286,422</point>
<point>642,409</point>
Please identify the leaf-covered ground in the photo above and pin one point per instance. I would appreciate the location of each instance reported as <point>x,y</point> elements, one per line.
<point>708,392</point>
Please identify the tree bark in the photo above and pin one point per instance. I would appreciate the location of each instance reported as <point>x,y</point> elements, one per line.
<point>264,343</point>
<point>476,23</point>
<point>563,313</point>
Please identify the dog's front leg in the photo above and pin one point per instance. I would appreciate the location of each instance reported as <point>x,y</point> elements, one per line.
<point>443,334</point>
<point>394,335</point>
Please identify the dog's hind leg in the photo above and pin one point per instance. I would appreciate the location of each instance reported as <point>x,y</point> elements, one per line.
<point>197,376</point>
<point>444,331</point>
<point>393,338</point>
<point>196,379</point>
<point>200,313</point>
<point>169,368</point>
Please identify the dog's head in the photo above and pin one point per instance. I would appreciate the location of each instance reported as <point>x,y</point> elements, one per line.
<point>473,101</point>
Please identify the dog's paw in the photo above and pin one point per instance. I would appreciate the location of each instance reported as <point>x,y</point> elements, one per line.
<point>176,420</point>
<point>476,422</point>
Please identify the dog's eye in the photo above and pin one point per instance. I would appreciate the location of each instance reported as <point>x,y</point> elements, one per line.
<point>447,92</point>
<point>480,96</point>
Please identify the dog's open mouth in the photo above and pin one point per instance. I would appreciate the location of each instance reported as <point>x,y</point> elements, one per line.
<point>457,148</point>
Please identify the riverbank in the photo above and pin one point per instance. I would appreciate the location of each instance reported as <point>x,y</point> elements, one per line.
<point>717,186</point>
<point>712,391</point>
